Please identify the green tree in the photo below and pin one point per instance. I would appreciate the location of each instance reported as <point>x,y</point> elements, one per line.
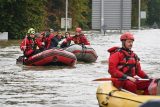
<point>55,10</point>
<point>153,12</point>
<point>19,15</point>
<point>78,10</point>
<point>135,12</point>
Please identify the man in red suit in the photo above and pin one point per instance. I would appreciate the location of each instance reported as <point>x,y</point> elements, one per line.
<point>124,64</point>
<point>79,38</point>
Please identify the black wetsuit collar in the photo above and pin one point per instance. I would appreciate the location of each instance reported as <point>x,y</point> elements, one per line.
<point>128,50</point>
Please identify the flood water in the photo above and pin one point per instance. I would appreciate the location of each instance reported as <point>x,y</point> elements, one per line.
<point>52,86</point>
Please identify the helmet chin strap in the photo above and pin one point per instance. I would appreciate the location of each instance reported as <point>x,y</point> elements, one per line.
<point>123,44</point>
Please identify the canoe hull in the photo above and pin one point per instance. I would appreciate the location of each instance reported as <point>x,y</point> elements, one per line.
<point>109,96</point>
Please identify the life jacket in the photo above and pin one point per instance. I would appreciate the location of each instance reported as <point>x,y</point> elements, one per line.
<point>77,39</point>
<point>81,39</point>
<point>128,64</point>
<point>31,44</point>
<point>40,42</point>
<point>48,40</point>
<point>154,87</point>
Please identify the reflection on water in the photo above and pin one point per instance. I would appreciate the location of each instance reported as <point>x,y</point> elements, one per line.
<point>54,86</point>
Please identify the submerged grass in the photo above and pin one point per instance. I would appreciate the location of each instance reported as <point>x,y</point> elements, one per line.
<point>6,43</point>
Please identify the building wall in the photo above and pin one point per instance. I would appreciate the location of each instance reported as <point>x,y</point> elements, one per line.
<point>96,14</point>
<point>112,14</point>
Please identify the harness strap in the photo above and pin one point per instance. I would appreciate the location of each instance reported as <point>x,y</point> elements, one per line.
<point>129,65</point>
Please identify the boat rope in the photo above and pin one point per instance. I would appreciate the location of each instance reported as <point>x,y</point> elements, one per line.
<point>83,51</point>
<point>121,97</point>
<point>111,92</point>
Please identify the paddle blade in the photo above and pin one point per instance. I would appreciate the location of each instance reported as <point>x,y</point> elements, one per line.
<point>105,79</point>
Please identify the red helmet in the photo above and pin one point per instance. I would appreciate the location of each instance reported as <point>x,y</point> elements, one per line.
<point>127,36</point>
<point>78,29</point>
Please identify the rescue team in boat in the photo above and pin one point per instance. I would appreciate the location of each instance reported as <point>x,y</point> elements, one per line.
<point>124,65</point>
<point>123,62</point>
<point>34,43</point>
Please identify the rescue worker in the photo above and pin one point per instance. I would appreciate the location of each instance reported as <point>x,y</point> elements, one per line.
<point>124,64</point>
<point>28,45</point>
<point>40,40</point>
<point>79,38</point>
<point>49,36</point>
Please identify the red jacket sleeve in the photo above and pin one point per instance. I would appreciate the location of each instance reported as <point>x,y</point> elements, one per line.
<point>113,66</point>
<point>23,44</point>
<point>39,43</point>
<point>48,41</point>
<point>69,39</point>
<point>140,72</point>
<point>85,41</point>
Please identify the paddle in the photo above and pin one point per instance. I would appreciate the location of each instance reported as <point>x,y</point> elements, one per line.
<point>105,79</point>
<point>110,79</point>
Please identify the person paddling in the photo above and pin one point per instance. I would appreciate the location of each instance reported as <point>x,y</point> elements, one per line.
<point>125,64</point>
